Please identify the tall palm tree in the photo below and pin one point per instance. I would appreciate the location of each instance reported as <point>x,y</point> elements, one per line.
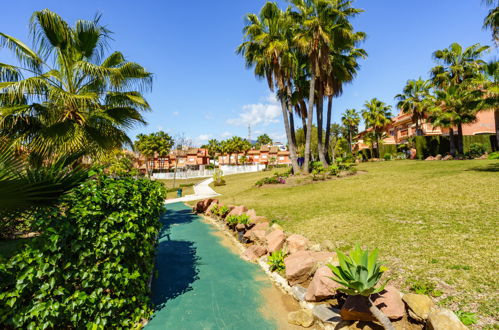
<point>213,147</point>
<point>267,49</point>
<point>414,100</point>
<point>67,96</point>
<point>320,26</point>
<point>376,115</point>
<point>350,120</point>
<point>488,82</point>
<point>491,21</point>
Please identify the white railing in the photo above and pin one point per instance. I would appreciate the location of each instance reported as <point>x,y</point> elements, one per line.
<point>226,169</point>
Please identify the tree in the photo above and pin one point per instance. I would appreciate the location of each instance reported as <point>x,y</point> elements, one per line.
<point>267,48</point>
<point>488,82</point>
<point>213,147</point>
<point>459,68</point>
<point>158,143</point>
<point>263,139</point>
<point>337,140</point>
<point>118,162</point>
<point>350,120</point>
<point>491,21</point>
<point>238,145</point>
<point>67,97</point>
<point>376,115</point>
<point>414,101</point>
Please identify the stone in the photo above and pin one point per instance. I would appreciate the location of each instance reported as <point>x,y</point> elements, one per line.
<point>419,306</point>
<point>263,226</point>
<point>444,319</point>
<point>326,313</point>
<point>296,243</point>
<point>448,157</point>
<point>201,206</point>
<point>240,227</point>
<point>322,286</point>
<point>358,325</point>
<point>299,267</point>
<point>259,236</point>
<point>430,158</point>
<point>238,210</point>
<point>303,318</point>
<point>254,252</point>
<point>325,257</point>
<point>298,292</point>
<point>438,157</point>
<point>276,226</point>
<point>388,301</point>
<point>328,245</point>
<point>315,247</point>
<point>275,240</point>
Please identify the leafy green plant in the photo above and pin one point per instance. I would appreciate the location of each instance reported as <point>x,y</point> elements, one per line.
<point>218,177</point>
<point>334,170</point>
<point>359,274</point>
<point>244,219</point>
<point>232,220</point>
<point>214,209</point>
<point>223,211</point>
<point>476,150</point>
<point>424,287</point>
<point>468,318</point>
<point>493,155</point>
<point>92,262</point>
<point>387,156</point>
<point>276,261</point>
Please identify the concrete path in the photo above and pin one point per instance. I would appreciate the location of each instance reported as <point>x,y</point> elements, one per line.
<point>201,191</point>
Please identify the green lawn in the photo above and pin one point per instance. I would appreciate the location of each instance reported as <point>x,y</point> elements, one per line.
<point>434,222</point>
<point>185,190</point>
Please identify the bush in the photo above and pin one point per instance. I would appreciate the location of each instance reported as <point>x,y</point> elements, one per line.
<point>387,156</point>
<point>232,220</point>
<point>493,155</point>
<point>467,318</point>
<point>476,150</point>
<point>214,209</point>
<point>243,219</point>
<point>223,211</point>
<point>91,265</point>
<point>276,261</point>
<point>276,179</point>
<point>334,170</point>
<point>218,178</point>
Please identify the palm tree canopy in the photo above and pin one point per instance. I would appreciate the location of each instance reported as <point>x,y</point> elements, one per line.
<point>376,114</point>
<point>414,97</point>
<point>350,118</point>
<point>68,96</point>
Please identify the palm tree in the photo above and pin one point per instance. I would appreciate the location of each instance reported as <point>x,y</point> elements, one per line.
<point>68,96</point>
<point>491,21</point>
<point>414,100</point>
<point>488,82</point>
<point>320,26</point>
<point>213,147</point>
<point>350,120</point>
<point>267,48</point>
<point>376,115</point>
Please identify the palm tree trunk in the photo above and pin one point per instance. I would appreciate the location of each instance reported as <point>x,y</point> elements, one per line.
<point>451,141</point>
<point>147,167</point>
<point>496,117</point>
<point>328,124</point>
<point>320,144</point>
<point>350,139</point>
<point>310,117</point>
<point>382,318</point>
<point>460,139</point>
<point>292,128</point>
<point>292,149</point>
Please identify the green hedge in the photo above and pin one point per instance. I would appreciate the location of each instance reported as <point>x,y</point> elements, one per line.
<point>388,149</point>
<point>433,145</point>
<point>91,265</point>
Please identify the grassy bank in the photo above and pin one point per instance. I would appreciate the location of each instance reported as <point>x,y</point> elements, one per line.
<point>435,223</point>
<point>185,190</point>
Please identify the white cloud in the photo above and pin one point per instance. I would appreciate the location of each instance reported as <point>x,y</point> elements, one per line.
<point>175,113</point>
<point>264,113</point>
<point>278,137</point>
<point>226,134</point>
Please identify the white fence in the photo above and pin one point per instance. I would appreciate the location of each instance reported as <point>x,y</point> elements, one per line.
<point>226,169</point>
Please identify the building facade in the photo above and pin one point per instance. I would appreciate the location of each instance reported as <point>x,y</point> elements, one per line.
<point>266,155</point>
<point>191,158</point>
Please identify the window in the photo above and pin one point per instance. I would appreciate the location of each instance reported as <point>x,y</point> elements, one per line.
<point>256,157</point>
<point>281,157</point>
<point>191,159</point>
<point>264,156</point>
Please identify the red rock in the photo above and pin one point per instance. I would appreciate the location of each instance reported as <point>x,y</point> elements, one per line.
<point>263,226</point>
<point>254,252</point>
<point>324,257</point>
<point>388,301</point>
<point>275,240</point>
<point>299,266</point>
<point>201,206</point>
<point>297,243</point>
<point>238,210</point>
<point>322,286</point>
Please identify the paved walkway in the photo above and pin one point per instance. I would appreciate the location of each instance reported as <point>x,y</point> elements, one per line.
<point>201,191</point>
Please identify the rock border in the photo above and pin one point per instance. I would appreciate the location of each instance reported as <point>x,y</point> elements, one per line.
<point>303,263</point>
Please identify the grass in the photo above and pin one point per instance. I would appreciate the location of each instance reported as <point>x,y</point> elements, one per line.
<point>185,190</point>
<point>435,223</point>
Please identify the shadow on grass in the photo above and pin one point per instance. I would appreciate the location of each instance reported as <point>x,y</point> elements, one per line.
<point>176,261</point>
<point>489,168</point>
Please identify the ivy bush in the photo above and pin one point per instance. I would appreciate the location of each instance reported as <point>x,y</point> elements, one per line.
<point>91,266</point>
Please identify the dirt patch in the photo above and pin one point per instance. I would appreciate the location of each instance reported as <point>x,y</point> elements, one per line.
<point>226,241</point>
<point>278,304</point>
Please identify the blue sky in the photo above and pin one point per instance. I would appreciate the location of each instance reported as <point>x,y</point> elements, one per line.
<point>201,87</point>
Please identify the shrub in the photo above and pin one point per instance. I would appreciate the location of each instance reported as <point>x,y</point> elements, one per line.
<point>232,220</point>
<point>92,263</point>
<point>270,180</point>
<point>400,156</point>
<point>214,209</point>
<point>476,150</point>
<point>276,261</point>
<point>223,211</point>
<point>334,170</point>
<point>218,177</point>
<point>244,219</point>
<point>493,155</point>
<point>387,156</point>
<point>424,287</point>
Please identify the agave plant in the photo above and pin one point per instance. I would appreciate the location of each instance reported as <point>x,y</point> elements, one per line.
<point>359,274</point>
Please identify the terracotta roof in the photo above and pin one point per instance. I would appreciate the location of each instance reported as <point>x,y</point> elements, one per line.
<point>264,148</point>
<point>284,153</point>
<point>274,149</point>
<point>253,152</point>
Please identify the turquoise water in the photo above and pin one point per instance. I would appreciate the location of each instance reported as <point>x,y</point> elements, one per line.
<point>200,284</point>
